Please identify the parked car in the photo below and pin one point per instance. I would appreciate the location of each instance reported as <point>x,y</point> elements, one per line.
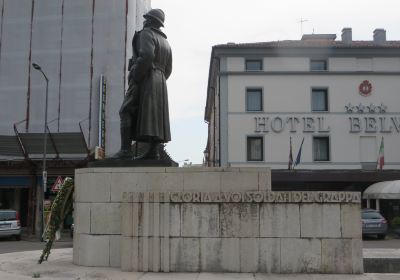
<point>373,223</point>
<point>10,224</point>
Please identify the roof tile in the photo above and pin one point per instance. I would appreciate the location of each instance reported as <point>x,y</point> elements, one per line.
<point>312,44</point>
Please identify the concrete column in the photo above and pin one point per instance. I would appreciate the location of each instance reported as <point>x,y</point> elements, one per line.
<point>165,258</point>
<point>368,203</point>
<point>377,205</point>
<point>379,36</point>
<point>37,213</point>
<point>17,200</point>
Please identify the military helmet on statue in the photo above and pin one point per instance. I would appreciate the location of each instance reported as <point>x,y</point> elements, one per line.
<point>156,14</point>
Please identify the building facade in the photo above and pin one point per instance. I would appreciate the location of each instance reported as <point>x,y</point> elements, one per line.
<point>83,48</point>
<point>75,42</point>
<point>338,101</point>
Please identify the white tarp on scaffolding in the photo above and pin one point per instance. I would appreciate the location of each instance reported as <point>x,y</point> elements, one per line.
<point>383,190</point>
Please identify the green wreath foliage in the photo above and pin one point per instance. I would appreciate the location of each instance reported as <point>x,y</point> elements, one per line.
<point>60,208</point>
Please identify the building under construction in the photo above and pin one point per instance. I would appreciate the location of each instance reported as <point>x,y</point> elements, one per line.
<point>82,48</point>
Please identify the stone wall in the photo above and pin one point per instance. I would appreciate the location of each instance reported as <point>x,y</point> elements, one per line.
<point>211,219</point>
<point>272,232</point>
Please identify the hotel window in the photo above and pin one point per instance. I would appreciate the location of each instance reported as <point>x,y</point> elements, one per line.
<point>255,150</point>
<point>318,65</point>
<point>319,100</point>
<point>254,65</point>
<point>254,99</point>
<point>321,148</point>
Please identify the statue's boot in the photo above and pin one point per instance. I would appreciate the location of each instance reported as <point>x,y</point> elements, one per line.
<point>152,154</point>
<point>126,150</point>
<point>123,154</point>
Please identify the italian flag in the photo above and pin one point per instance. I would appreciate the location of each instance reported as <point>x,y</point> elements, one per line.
<point>381,156</point>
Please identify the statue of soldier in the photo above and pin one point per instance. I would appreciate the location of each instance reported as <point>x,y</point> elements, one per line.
<point>144,112</point>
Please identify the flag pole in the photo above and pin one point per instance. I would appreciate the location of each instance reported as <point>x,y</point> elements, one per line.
<point>298,158</point>
<point>381,156</point>
<point>290,164</point>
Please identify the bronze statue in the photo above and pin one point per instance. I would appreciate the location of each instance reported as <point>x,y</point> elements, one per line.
<point>144,112</point>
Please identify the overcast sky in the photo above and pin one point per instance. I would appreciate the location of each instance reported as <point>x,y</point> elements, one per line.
<point>193,27</point>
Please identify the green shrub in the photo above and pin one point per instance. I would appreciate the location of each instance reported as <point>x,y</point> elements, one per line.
<point>395,222</point>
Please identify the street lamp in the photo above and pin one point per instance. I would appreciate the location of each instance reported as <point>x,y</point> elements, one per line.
<point>44,170</point>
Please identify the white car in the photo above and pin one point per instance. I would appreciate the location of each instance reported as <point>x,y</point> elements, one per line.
<point>10,224</point>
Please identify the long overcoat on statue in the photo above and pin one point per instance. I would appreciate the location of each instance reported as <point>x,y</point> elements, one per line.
<point>151,68</point>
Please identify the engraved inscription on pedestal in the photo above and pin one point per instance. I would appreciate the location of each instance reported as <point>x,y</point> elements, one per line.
<point>253,231</point>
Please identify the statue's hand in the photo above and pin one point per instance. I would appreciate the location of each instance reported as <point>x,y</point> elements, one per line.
<point>130,76</point>
<point>133,87</point>
<point>130,64</point>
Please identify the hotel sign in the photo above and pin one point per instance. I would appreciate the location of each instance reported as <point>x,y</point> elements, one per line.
<point>365,120</point>
<point>279,124</point>
<point>369,124</point>
<point>365,88</point>
<point>374,124</point>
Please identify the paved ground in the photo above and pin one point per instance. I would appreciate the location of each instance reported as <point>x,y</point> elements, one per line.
<point>381,253</point>
<point>30,243</point>
<point>23,265</point>
<point>390,242</point>
<point>8,246</point>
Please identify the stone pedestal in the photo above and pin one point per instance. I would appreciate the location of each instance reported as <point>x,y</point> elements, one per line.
<point>215,220</point>
<point>98,198</point>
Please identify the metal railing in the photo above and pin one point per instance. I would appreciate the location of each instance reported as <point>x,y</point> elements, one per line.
<point>21,145</point>
<point>83,136</point>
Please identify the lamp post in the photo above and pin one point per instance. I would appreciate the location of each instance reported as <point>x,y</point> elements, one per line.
<point>44,170</point>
